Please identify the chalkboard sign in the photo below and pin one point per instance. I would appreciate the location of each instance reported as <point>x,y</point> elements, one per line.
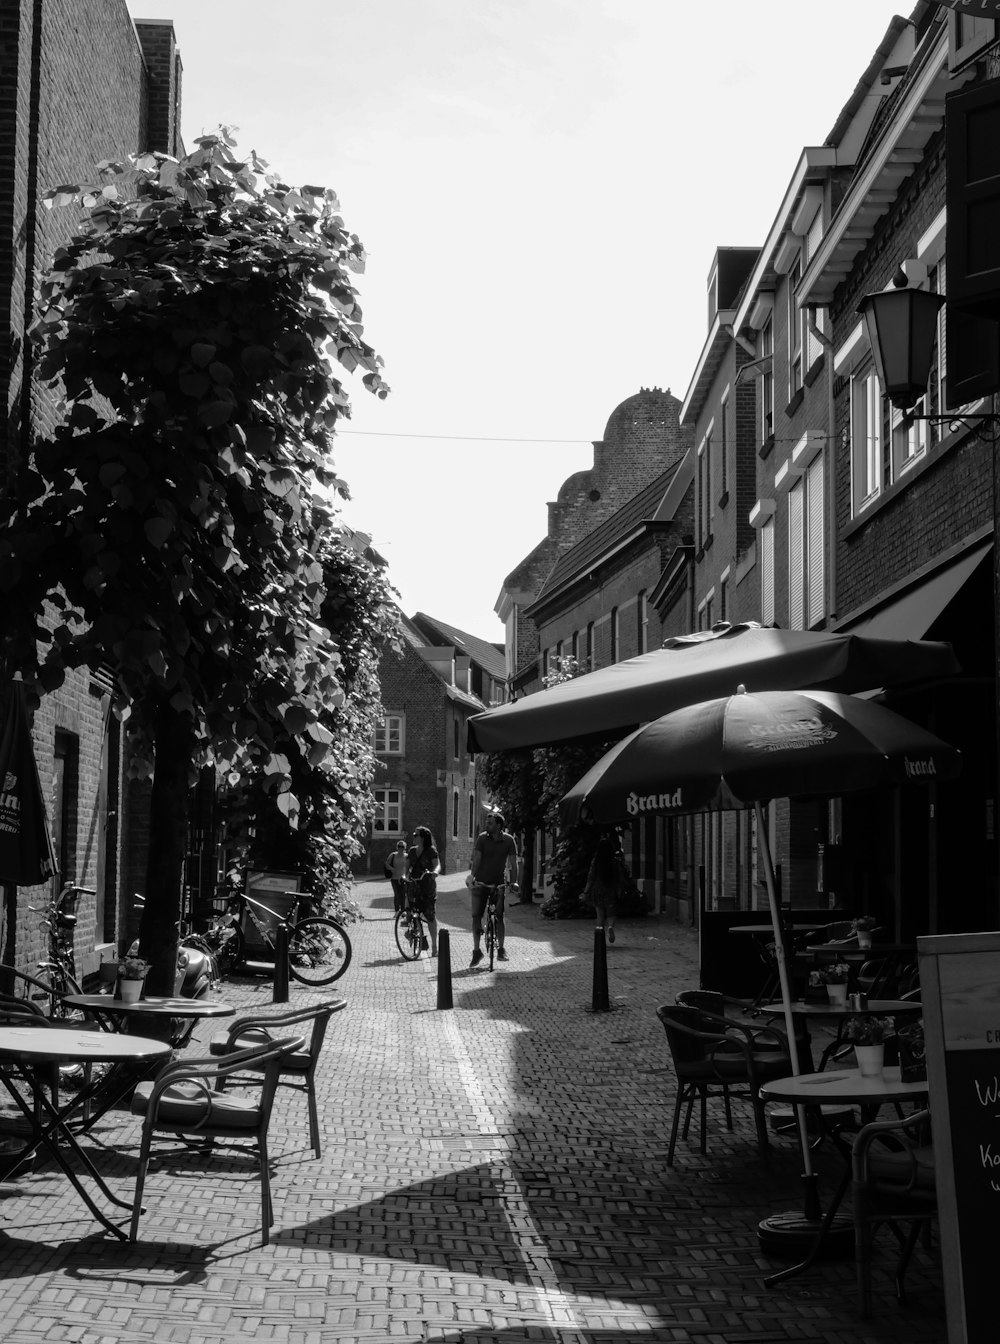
<point>960,992</point>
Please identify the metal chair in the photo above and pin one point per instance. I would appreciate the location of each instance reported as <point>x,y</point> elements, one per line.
<point>714,1056</point>
<point>892,1170</point>
<point>184,1100</point>
<point>298,1070</point>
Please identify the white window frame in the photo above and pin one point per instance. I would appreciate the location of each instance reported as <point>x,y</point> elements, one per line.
<point>796,343</point>
<point>767,379</point>
<point>390,735</point>
<point>472,816</point>
<point>454,813</point>
<point>866,440</point>
<point>807,546</point>
<point>388,808</point>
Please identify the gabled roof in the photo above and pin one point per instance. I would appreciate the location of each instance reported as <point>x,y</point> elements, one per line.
<point>613,532</point>
<point>489,657</point>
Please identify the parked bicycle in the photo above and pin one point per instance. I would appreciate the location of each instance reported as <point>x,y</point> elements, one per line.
<point>410,924</point>
<point>57,973</point>
<point>319,950</point>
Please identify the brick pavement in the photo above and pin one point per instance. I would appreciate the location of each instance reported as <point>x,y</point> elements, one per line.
<point>491,1173</point>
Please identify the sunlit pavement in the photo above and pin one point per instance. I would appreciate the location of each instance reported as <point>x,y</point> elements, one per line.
<point>491,1172</point>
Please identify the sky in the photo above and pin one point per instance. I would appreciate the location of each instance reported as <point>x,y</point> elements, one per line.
<point>540,186</point>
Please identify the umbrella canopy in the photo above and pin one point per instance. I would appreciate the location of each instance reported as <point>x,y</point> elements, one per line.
<point>27,856</point>
<point>696,667</point>
<point>744,749</point>
<point>741,750</point>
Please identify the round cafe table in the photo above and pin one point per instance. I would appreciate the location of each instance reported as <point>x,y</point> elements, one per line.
<point>23,1050</point>
<point>840,1015</point>
<point>833,1087</point>
<point>114,1014</point>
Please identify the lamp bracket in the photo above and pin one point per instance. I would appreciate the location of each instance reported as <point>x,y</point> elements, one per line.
<point>982,424</point>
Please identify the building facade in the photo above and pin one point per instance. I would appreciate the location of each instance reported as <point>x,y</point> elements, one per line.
<point>440,676</point>
<point>84,84</point>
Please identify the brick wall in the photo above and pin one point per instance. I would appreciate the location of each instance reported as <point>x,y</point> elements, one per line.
<point>950,497</point>
<point>73,91</point>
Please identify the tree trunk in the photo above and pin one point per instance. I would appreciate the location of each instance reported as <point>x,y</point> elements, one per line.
<point>168,821</point>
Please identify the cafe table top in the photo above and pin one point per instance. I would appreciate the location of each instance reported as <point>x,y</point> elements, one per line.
<point>157,1007</point>
<point>845,1087</point>
<point>68,1043</point>
<point>853,948</point>
<point>874,1007</point>
<point>768,928</point>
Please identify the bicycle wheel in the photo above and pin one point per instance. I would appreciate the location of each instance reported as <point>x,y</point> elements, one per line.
<point>491,934</point>
<point>409,928</point>
<point>319,951</point>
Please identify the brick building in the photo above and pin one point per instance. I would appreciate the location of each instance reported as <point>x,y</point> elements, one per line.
<point>429,690</point>
<point>815,504</point>
<point>642,439</point>
<point>81,83</point>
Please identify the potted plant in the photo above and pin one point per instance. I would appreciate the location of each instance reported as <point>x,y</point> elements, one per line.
<point>912,1056</point>
<point>869,1035</point>
<point>131,978</point>
<point>834,977</point>
<point>864,926</point>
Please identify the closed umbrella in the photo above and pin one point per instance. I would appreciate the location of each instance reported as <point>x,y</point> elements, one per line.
<point>742,750</point>
<point>696,667</point>
<point>27,856</point>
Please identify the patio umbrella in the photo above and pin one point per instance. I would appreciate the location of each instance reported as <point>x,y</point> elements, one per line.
<point>743,750</point>
<point>27,856</point>
<point>696,667</point>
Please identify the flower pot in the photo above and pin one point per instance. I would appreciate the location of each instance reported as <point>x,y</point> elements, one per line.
<point>870,1059</point>
<point>864,937</point>
<point>837,994</point>
<point>131,990</point>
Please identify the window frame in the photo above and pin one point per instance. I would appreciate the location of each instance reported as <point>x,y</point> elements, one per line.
<point>766,380</point>
<point>382,811</point>
<point>383,732</point>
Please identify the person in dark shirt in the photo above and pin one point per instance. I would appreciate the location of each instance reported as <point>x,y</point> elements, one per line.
<point>494,860</point>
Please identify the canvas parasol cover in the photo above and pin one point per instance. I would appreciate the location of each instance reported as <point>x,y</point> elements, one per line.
<point>743,749</point>
<point>27,856</point>
<point>697,667</point>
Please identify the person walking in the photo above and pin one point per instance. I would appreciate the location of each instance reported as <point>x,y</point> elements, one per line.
<point>396,865</point>
<point>423,866</point>
<point>494,860</point>
<point>606,882</point>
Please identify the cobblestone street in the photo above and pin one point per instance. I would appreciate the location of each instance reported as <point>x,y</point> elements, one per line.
<point>495,1172</point>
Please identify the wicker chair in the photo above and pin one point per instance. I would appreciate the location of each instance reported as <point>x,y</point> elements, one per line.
<point>717,1056</point>
<point>892,1182</point>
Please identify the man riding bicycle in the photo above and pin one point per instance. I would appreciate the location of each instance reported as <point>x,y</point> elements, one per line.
<point>494,856</point>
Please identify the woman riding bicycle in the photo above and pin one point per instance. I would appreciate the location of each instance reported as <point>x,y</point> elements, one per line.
<point>423,867</point>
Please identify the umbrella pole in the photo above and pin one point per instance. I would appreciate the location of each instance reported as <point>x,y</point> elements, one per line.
<point>786,1002</point>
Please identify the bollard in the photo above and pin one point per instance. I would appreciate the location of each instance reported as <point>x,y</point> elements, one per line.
<point>280,994</point>
<point>444,970</point>
<point>600,1003</point>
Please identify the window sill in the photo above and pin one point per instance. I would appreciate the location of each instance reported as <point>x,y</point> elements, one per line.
<point>765,448</point>
<point>815,371</point>
<point>723,500</point>
<point>795,402</point>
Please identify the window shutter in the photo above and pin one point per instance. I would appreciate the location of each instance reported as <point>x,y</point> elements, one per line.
<point>765,539</point>
<point>972,131</point>
<point>796,557</point>
<point>816,544</point>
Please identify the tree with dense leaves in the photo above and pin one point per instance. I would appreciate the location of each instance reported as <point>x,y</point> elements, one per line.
<point>172,527</point>
<point>528,784</point>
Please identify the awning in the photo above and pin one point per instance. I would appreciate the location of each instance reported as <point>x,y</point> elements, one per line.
<point>912,615</point>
